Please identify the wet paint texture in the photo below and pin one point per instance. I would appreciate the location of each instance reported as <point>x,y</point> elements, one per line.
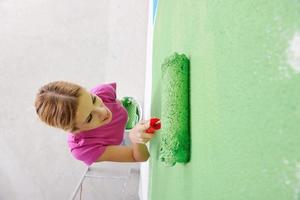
<point>245,99</point>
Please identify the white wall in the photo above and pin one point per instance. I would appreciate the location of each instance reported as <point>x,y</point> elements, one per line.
<point>87,42</point>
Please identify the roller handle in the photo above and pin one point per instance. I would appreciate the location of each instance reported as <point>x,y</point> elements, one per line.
<point>154,125</point>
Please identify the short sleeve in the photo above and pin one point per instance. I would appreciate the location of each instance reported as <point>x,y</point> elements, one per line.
<point>107,92</point>
<point>88,154</point>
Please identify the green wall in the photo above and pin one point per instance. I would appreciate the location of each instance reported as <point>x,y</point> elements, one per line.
<point>245,99</point>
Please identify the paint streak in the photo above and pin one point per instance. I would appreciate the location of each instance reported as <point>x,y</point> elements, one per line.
<point>294,53</point>
<point>292,177</point>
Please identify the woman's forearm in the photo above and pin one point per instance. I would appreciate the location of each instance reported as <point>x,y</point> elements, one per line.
<point>138,138</point>
<point>140,152</point>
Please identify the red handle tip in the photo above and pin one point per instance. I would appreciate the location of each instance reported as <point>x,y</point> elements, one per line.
<point>154,125</point>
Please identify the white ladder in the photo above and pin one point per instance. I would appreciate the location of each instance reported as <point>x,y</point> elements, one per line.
<point>91,172</point>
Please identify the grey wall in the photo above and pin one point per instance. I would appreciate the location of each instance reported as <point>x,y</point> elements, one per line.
<point>87,42</point>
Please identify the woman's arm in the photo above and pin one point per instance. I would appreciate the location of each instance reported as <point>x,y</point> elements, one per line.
<point>140,152</point>
<point>120,153</point>
<point>137,152</point>
<point>139,137</point>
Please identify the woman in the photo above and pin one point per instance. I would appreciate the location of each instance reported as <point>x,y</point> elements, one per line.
<point>95,121</point>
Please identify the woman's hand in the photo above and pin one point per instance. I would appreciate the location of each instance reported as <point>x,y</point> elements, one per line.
<point>138,133</point>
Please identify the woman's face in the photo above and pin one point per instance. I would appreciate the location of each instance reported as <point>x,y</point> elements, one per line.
<point>91,112</point>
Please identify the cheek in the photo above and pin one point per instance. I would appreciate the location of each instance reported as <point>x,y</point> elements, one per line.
<point>99,101</point>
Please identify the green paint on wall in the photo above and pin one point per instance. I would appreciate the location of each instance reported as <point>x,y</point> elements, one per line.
<point>245,99</point>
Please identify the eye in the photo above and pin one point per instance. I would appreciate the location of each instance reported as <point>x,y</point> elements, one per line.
<point>90,118</point>
<point>94,99</point>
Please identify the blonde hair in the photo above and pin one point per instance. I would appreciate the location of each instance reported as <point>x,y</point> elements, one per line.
<point>56,104</point>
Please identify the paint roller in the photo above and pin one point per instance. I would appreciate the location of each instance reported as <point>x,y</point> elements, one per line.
<point>175,111</point>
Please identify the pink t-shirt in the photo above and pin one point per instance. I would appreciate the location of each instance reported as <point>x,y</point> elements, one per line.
<point>88,146</point>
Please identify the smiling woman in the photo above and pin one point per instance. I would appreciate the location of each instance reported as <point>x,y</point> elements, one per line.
<point>95,121</point>
<point>91,112</point>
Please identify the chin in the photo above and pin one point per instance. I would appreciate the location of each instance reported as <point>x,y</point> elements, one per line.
<point>109,119</point>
